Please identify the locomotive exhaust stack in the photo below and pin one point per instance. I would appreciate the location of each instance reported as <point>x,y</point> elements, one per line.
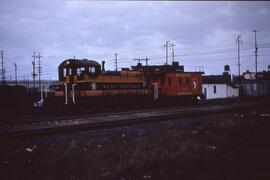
<point>103,66</point>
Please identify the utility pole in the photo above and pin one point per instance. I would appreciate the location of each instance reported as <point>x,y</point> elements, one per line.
<point>115,61</point>
<point>238,41</point>
<point>256,52</point>
<point>39,71</point>
<point>15,66</point>
<point>34,70</point>
<point>166,46</point>
<point>172,51</point>
<point>2,67</point>
<point>146,61</point>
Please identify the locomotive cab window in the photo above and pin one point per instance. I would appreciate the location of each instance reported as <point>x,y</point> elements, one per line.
<point>92,70</point>
<point>64,72</point>
<point>80,71</point>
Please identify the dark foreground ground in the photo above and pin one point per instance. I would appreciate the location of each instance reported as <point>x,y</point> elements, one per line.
<point>224,146</point>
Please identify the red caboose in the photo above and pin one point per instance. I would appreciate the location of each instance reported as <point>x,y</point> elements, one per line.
<point>171,81</point>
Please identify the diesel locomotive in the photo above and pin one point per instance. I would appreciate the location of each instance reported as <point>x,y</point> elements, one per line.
<point>83,81</point>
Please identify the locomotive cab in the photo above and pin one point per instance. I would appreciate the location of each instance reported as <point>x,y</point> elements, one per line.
<point>73,70</point>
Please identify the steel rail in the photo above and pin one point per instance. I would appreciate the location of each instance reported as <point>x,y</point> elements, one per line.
<point>116,120</point>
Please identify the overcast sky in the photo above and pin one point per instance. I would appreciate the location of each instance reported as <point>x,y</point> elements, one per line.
<point>204,33</point>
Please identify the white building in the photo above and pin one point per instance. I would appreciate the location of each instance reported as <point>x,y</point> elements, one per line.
<point>219,86</point>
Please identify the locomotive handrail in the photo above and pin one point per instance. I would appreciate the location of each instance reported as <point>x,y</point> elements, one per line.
<point>155,91</point>
<point>73,93</point>
<point>66,95</point>
<point>46,89</point>
<point>41,93</point>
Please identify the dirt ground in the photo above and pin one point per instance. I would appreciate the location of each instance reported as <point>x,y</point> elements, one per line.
<point>223,146</point>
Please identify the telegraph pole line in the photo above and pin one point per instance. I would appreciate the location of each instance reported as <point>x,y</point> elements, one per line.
<point>172,51</point>
<point>115,61</point>
<point>39,71</point>
<point>238,41</point>
<point>256,52</point>
<point>34,70</point>
<point>15,66</point>
<point>2,67</point>
<point>166,46</point>
<point>146,61</point>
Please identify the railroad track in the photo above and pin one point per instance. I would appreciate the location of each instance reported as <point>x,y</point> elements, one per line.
<point>42,117</point>
<point>39,115</point>
<point>108,120</point>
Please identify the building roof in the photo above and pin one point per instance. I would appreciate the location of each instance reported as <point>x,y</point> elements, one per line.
<point>217,79</point>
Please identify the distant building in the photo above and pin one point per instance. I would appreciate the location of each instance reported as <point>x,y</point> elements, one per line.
<point>253,84</point>
<point>219,86</point>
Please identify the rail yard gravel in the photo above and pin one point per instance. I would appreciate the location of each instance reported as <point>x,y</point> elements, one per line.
<point>234,145</point>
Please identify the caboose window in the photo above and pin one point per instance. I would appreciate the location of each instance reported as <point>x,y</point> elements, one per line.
<point>187,80</point>
<point>169,80</point>
<point>162,81</point>
<point>180,81</point>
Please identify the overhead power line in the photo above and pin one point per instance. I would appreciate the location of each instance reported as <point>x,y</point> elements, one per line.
<point>15,67</point>
<point>115,61</point>
<point>2,67</point>
<point>172,51</point>
<point>39,71</point>
<point>256,51</point>
<point>34,69</point>
<point>238,41</point>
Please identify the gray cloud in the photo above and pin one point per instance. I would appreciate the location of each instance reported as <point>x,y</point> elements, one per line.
<point>96,30</point>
